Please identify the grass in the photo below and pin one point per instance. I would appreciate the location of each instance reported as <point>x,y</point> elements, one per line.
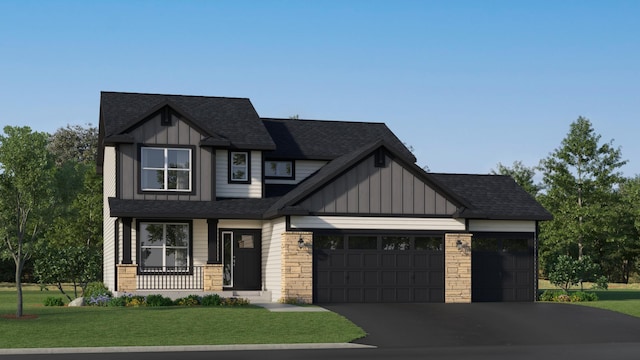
<point>622,298</point>
<point>114,326</point>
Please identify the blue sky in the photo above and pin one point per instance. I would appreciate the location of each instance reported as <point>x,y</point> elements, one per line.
<point>467,84</point>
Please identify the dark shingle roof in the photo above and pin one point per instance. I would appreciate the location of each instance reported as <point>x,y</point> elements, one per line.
<point>327,140</point>
<point>496,197</point>
<point>170,209</point>
<point>228,121</point>
<point>287,203</point>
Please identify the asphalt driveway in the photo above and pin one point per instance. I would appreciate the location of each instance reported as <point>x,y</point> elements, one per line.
<point>488,324</point>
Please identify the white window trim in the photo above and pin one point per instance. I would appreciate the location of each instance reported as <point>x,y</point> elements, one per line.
<point>268,166</point>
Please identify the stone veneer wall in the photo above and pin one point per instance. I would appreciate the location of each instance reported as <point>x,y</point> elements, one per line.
<point>297,267</point>
<point>457,263</point>
<point>127,277</point>
<point>213,277</point>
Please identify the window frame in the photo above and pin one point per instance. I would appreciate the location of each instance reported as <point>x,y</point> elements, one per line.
<point>153,269</point>
<point>291,163</point>
<point>166,169</point>
<point>230,166</point>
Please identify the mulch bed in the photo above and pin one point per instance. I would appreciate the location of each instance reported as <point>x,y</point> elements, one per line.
<point>23,317</point>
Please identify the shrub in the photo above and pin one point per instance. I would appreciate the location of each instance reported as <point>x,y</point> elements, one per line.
<point>563,298</point>
<point>98,300</point>
<point>158,300</point>
<point>211,300</point>
<point>53,301</point>
<point>136,301</point>
<point>190,300</point>
<point>233,301</point>
<point>551,295</point>
<point>291,301</point>
<point>579,296</point>
<point>95,289</point>
<point>120,300</point>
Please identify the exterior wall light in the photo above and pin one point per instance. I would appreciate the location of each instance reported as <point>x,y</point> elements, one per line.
<point>301,242</point>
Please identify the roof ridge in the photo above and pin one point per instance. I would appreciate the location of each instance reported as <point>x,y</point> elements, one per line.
<point>174,95</point>
<point>328,121</point>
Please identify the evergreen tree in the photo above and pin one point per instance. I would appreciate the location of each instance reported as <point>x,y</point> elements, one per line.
<point>579,188</point>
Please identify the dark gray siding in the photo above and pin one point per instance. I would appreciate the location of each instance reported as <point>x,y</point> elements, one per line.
<point>153,133</point>
<point>366,189</point>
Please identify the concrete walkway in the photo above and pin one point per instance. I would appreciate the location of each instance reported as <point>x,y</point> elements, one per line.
<point>277,307</point>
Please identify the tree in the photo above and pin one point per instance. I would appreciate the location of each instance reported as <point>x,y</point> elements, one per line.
<point>579,182</point>
<point>622,253</point>
<point>74,143</point>
<point>26,179</point>
<point>71,248</point>
<point>522,175</point>
<point>567,272</point>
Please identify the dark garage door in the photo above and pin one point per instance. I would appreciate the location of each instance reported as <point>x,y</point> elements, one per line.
<point>502,268</point>
<point>378,268</point>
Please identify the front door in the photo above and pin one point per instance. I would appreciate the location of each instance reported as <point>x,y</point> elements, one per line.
<point>241,251</point>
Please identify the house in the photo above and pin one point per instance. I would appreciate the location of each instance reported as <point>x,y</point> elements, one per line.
<point>201,194</point>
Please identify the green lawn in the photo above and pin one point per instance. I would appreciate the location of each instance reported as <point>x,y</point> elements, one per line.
<point>113,326</point>
<point>623,298</point>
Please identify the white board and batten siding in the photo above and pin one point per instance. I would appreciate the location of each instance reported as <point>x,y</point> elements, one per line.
<point>502,226</point>
<point>225,189</point>
<point>272,256</point>
<point>376,223</point>
<point>303,169</point>
<point>108,223</point>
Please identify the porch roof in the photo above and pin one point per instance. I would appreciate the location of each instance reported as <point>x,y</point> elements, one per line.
<point>180,209</point>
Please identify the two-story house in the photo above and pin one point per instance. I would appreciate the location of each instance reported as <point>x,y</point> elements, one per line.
<point>203,195</point>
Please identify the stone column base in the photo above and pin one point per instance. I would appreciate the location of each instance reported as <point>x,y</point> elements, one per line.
<point>457,272</point>
<point>127,274</point>
<point>213,277</point>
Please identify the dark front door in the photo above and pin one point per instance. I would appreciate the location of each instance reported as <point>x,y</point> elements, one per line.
<point>242,260</point>
<point>502,269</point>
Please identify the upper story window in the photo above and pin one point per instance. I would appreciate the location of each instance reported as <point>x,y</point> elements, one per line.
<point>165,169</point>
<point>278,169</point>
<point>239,167</point>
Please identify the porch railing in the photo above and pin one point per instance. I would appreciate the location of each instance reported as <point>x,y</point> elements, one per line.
<point>170,278</point>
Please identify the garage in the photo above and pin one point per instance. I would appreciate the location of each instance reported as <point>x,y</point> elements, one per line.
<point>502,267</point>
<point>374,268</point>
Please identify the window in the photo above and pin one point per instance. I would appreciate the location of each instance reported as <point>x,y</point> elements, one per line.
<point>278,169</point>
<point>396,243</point>
<point>164,246</point>
<point>363,242</point>
<point>239,167</point>
<point>165,169</point>
<point>432,243</point>
<point>328,242</point>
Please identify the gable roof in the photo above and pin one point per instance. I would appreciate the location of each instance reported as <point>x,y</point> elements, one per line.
<point>287,204</point>
<point>231,122</point>
<point>327,140</point>
<point>495,197</point>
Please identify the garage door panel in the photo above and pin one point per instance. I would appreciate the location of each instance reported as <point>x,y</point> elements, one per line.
<point>354,278</point>
<point>337,278</point>
<point>397,274</point>
<point>370,260</point>
<point>388,260</point>
<point>502,269</point>
<point>371,278</point>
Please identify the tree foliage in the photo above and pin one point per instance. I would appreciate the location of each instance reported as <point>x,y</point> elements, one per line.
<point>579,182</point>
<point>26,196</point>
<point>71,249</point>
<point>523,176</point>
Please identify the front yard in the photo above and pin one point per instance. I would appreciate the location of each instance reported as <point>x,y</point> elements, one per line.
<point>130,326</point>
